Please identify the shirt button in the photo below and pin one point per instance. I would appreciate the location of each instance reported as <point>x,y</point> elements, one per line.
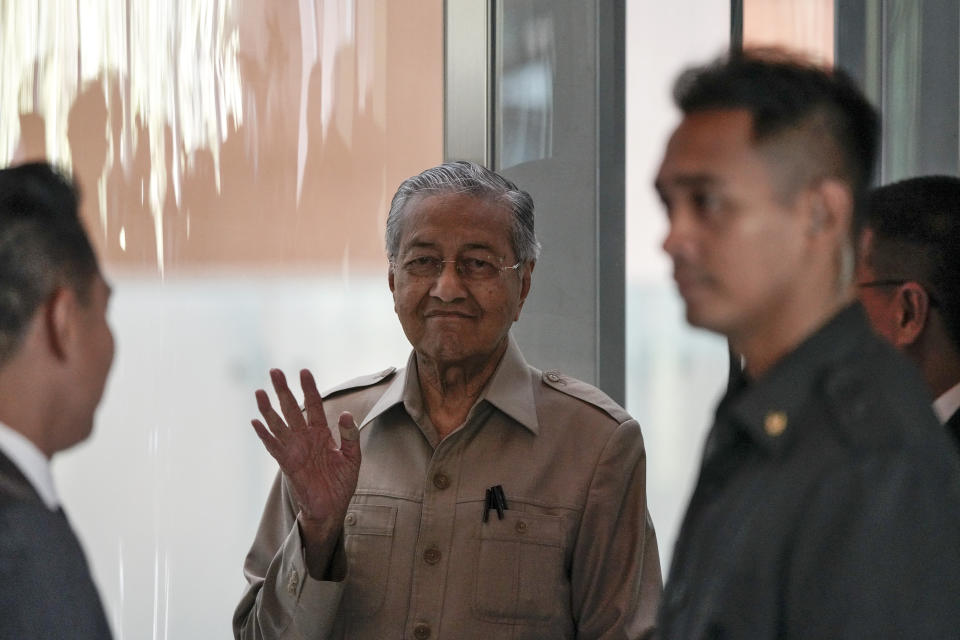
<point>553,376</point>
<point>432,555</point>
<point>421,631</point>
<point>441,480</point>
<point>351,519</point>
<point>293,582</point>
<point>521,526</point>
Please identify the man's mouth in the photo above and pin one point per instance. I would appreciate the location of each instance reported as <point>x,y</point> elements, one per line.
<point>448,314</point>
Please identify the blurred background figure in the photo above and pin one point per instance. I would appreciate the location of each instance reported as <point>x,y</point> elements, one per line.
<point>56,349</point>
<point>908,279</point>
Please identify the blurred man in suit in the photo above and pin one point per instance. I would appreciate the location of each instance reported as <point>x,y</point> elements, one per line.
<point>56,349</point>
<point>828,502</point>
<point>908,278</point>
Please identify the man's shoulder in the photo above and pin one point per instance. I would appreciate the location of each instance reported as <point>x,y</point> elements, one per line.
<point>878,398</point>
<point>46,589</point>
<point>574,392</point>
<point>360,383</point>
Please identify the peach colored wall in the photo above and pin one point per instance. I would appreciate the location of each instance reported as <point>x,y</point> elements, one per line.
<point>277,137</point>
<point>801,25</point>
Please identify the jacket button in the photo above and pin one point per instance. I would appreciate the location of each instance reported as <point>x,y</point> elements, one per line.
<point>521,526</point>
<point>421,631</point>
<point>432,555</point>
<point>441,480</point>
<point>775,423</point>
<point>350,520</point>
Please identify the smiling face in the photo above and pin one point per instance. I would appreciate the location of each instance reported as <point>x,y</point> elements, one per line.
<point>737,244</point>
<point>450,320</point>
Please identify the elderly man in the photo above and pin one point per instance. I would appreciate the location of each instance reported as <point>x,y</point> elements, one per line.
<point>828,503</point>
<point>56,349</point>
<point>908,278</point>
<point>492,500</point>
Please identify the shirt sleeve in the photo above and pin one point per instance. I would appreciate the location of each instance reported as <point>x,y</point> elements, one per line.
<point>878,553</point>
<point>615,573</point>
<point>281,599</point>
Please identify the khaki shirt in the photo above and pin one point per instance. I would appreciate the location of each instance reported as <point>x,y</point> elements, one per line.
<point>575,554</point>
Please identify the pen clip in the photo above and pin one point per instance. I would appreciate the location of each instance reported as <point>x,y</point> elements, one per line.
<point>495,499</point>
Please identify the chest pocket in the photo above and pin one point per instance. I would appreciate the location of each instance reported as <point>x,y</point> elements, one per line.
<point>368,540</point>
<point>520,569</point>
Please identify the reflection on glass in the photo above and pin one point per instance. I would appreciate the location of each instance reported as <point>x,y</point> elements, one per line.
<point>526,61</point>
<point>117,92</point>
<point>236,159</point>
<point>901,96</point>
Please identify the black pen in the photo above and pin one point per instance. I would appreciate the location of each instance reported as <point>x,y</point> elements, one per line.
<point>499,500</point>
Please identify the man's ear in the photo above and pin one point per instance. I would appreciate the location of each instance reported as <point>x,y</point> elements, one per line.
<point>912,311</point>
<point>60,317</point>
<point>390,278</point>
<point>830,208</point>
<point>526,275</point>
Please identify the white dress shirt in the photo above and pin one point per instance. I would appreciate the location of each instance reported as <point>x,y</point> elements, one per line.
<point>948,403</point>
<point>32,464</point>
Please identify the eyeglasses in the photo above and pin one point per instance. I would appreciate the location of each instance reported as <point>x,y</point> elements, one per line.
<point>897,283</point>
<point>470,268</point>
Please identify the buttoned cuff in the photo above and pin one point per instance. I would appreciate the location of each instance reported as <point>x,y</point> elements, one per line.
<point>311,604</point>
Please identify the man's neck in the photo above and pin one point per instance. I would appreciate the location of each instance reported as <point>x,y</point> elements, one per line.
<point>25,407</point>
<point>937,358</point>
<point>764,346</point>
<point>450,390</point>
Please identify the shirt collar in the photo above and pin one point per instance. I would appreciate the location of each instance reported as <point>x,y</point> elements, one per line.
<point>948,403</point>
<point>31,462</point>
<point>510,390</point>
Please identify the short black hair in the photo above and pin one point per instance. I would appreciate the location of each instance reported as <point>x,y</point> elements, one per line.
<point>43,245</point>
<point>916,231</point>
<point>784,93</point>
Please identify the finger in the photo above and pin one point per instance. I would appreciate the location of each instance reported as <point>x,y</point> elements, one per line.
<point>273,420</point>
<point>349,436</point>
<point>288,404</point>
<point>316,417</point>
<point>269,442</point>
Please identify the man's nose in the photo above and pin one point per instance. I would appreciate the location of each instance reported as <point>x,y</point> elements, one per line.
<point>678,238</point>
<point>448,285</point>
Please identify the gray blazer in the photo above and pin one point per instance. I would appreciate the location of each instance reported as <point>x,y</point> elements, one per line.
<point>46,590</point>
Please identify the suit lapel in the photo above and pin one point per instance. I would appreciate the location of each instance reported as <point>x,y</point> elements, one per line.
<point>14,484</point>
<point>953,428</point>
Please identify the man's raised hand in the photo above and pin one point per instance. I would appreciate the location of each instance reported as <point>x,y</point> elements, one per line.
<point>321,477</point>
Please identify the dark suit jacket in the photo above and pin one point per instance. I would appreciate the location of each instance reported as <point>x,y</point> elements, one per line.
<point>46,590</point>
<point>953,428</point>
<point>828,504</point>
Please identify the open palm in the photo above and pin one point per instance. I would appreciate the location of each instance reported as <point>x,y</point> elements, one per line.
<point>321,477</point>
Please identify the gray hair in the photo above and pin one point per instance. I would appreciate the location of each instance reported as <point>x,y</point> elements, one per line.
<point>472,179</point>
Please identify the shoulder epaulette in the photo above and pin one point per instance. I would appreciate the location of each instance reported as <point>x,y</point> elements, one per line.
<point>586,392</point>
<point>361,382</point>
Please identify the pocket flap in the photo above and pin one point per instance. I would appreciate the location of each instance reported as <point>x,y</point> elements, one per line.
<point>369,519</point>
<point>517,526</point>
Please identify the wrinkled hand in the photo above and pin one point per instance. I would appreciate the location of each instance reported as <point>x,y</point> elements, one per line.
<point>321,477</point>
